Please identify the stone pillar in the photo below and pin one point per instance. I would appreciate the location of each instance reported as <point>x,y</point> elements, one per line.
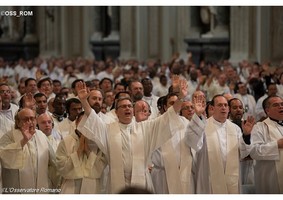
<point>115,20</point>
<point>128,32</point>
<point>241,31</point>
<point>97,35</point>
<point>193,20</point>
<point>5,24</point>
<point>30,26</point>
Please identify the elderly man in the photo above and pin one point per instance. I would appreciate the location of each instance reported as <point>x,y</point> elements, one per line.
<point>128,152</point>
<point>267,142</point>
<point>27,159</point>
<point>46,125</point>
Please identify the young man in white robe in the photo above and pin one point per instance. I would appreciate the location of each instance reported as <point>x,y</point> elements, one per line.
<point>128,144</point>
<point>267,142</point>
<point>218,161</point>
<point>27,158</point>
<point>80,163</point>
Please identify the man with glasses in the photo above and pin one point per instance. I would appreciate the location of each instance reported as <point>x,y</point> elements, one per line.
<point>128,144</point>
<point>27,159</point>
<point>267,142</point>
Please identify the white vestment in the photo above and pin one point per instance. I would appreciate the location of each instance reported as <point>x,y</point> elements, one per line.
<point>80,175</point>
<point>217,168</point>
<point>268,179</point>
<point>31,169</point>
<point>173,171</point>
<point>249,104</point>
<point>128,147</point>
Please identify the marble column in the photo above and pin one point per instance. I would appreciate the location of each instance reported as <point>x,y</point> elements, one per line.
<point>115,20</point>
<point>30,26</point>
<point>128,44</point>
<point>193,21</point>
<point>97,34</point>
<point>241,29</point>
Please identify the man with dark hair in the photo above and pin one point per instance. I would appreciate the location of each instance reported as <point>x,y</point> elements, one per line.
<point>74,87</point>
<point>259,110</point>
<point>149,97</point>
<point>112,113</point>
<point>136,90</point>
<point>218,161</point>
<point>31,86</point>
<point>267,148</point>
<point>59,113</point>
<point>247,99</point>
<point>236,112</point>
<point>45,86</point>
<point>57,86</point>
<point>41,103</point>
<point>73,109</point>
<point>106,84</point>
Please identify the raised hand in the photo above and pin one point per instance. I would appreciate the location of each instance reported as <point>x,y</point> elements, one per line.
<point>183,88</point>
<point>248,125</point>
<point>199,104</point>
<point>27,133</point>
<point>175,83</point>
<point>82,90</point>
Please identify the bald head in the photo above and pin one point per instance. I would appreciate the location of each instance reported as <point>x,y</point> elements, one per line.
<point>25,119</point>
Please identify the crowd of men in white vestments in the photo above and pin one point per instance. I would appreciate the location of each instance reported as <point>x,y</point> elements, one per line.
<point>81,126</point>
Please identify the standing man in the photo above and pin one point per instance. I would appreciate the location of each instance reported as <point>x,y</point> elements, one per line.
<point>267,142</point>
<point>247,99</point>
<point>80,163</point>
<point>128,152</point>
<point>73,109</point>
<point>27,159</point>
<point>236,112</point>
<point>46,125</point>
<point>217,167</point>
<point>149,97</point>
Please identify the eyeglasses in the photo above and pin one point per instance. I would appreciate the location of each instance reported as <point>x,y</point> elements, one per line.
<point>187,108</point>
<point>277,104</point>
<point>27,119</point>
<point>125,106</point>
<point>5,91</point>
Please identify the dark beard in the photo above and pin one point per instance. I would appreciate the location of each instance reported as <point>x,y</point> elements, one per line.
<point>137,97</point>
<point>96,108</point>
